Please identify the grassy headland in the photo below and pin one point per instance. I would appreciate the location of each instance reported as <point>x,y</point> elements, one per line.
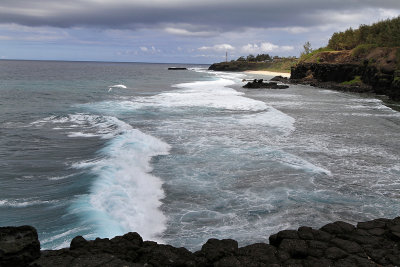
<point>366,59</point>
<point>266,62</point>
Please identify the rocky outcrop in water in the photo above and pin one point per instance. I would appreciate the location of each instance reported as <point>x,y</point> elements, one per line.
<point>372,243</point>
<point>260,84</point>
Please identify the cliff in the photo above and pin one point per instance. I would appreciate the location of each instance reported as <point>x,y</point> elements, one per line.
<point>373,69</point>
<point>372,243</point>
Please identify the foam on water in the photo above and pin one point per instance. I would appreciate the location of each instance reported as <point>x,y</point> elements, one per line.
<point>211,94</point>
<point>22,203</point>
<point>124,195</point>
<point>118,86</point>
<point>272,118</point>
<point>62,238</point>
<point>88,125</point>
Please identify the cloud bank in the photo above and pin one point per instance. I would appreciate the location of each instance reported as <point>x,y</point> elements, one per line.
<point>152,30</point>
<point>220,15</point>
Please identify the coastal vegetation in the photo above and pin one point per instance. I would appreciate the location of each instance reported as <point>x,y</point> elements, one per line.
<point>259,62</point>
<point>366,59</point>
<point>383,34</point>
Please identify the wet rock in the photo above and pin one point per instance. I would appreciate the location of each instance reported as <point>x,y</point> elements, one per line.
<point>18,246</point>
<point>176,68</point>
<point>371,243</point>
<point>337,228</point>
<point>280,79</point>
<point>78,242</point>
<point>332,76</point>
<point>316,248</point>
<point>335,253</point>
<point>259,84</point>
<point>379,223</point>
<point>215,249</point>
<point>259,252</point>
<point>166,255</point>
<point>228,262</point>
<point>305,233</point>
<point>348,246</point>
<point>295,247</point>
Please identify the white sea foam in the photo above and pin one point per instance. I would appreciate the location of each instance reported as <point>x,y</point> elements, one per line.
<point>80,134</point>
<point>63,239</point>
<point>297,163</point>
<point>213,94</point>
<point>118,86</point>
<point>21,203</point>
<point>56,178</point>
<point>88,125</point>
<point>125,196</point>
<point>272,118</point>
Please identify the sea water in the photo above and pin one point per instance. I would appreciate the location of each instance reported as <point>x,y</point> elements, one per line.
<point>101,149</point>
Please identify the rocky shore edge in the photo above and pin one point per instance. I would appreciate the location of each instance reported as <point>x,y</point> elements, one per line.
<point>371,243</point>
<point>359,78</point>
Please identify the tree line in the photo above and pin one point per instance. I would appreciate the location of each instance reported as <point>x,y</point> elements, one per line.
<point>258,58</point>
<point>384,33</point>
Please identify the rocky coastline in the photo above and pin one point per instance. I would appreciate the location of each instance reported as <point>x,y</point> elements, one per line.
<point>371,243</point>
<point>342,77</point>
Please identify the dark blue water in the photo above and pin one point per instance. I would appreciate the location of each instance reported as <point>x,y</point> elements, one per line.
<point>100,149</point>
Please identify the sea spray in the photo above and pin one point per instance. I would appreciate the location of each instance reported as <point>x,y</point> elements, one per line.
<point>124,195</point>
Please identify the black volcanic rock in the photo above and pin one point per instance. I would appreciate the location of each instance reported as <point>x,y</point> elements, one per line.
<point>260,84</point>
<point>373,243</point>
<point>18,245</point>
<point>280,79</point>
<point>334,76</point>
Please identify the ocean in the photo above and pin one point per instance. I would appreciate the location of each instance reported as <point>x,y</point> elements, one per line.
<point>100,149</point>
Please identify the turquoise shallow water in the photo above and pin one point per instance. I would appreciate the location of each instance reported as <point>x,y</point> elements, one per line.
<point>100,149</point>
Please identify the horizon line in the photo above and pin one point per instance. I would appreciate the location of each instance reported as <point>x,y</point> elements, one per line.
<point>100,61</point>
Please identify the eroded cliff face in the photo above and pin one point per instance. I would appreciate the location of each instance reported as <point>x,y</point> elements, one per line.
<point>372,243</point>
<point>377,71</point>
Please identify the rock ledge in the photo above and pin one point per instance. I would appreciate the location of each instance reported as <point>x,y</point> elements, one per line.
<point>372,243</point>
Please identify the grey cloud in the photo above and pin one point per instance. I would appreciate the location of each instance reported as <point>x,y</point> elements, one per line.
<point>216,15</point>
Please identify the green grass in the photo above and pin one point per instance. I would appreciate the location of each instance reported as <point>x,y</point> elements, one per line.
<point>355,81</point>
<point>315,52</point>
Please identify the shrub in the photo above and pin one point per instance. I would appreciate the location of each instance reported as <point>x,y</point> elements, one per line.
<point>363,49</point>
<point>355,81</point>
<point>305,57</point>
<point>384,33</point>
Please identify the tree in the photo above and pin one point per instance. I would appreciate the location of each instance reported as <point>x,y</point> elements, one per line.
<point>307,48</point>
<point>251,58</point>
<point>263,57</point>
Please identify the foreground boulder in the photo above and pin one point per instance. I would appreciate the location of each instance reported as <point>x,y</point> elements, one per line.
<point>372,243</point>
<point>18,245</point>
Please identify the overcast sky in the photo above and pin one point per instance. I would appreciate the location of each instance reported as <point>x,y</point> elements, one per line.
<point>184,31</point>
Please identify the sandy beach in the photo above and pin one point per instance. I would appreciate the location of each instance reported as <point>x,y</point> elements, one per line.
<point>269,73</point>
